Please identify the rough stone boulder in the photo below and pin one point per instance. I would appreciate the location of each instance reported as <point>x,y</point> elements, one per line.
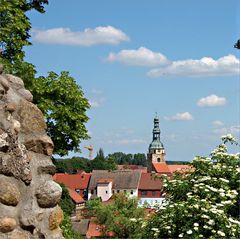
<point>28,195</point>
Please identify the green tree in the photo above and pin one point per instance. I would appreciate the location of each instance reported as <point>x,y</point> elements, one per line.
<point>58,96</point>
<point>66,202</point>
<point>203,203</point>
<point>68,232</point>
<point>102,163</point>
<point>64,106</point>
<point>68,207</point>
<point>122,158</point>
<point>100,154</point>
<point>139,159</point>
<point>15,26</point>
<point>122,217</point>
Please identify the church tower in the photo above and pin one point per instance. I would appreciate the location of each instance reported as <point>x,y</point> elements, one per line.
<point>156,152</point>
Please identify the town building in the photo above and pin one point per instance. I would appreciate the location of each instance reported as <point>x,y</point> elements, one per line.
<point>156,152</point>
<point>77,182</point>
<point>150,190</point>
<point>156,155</point>
<point>104,184</point>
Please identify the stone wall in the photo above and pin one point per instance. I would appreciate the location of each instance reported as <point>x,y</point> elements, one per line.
<point>28,195</point>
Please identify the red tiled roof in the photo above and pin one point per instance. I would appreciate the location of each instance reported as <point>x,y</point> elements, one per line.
<point>75,196</point>
<point>148,182</point>
<point>162,168</point>
<point>132,167</point>
<point>73,181</point>
<point>94,230</point>
<point>179,167</point>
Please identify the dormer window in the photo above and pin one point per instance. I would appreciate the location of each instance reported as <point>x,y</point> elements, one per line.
<point>77,190</point>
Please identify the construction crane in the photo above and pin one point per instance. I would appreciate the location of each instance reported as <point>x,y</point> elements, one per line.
<point>90,149</point>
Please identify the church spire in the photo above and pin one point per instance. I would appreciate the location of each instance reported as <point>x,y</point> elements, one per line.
<point>156,151</point>
<point>156,142</point>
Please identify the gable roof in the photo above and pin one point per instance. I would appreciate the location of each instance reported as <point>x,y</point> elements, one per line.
<point>73,181</point>
<point>148,182</point>
<point>81,227</point>
<point>162,168</point>
<point>121,179</point>
<point>75,196</point>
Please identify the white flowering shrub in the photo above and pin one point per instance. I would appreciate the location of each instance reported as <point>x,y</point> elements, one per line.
<point>201,203</point>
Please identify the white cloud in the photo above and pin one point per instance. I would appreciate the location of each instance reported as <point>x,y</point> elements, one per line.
<point>96,92</point>
<point>96,98</point>
<point>94,104</point>
<point>211,101</point>
<point>172,137</point>
<point>131,141</point>
<point>185,116</point>
<point>140,57</point>
<point>206,66</point>
<point>235,129</point>
<point>217,123</point>
<point>88,37</point>
<point>119,133</point>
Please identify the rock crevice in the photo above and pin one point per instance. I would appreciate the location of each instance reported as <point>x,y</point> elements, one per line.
<point>28,195</point>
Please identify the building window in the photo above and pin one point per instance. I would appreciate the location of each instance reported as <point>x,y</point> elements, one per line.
<point>153,193</point>
<point>158,159</point>
<point>77,190</point>
<point>131,192</point>
<point>92,191</point>
<point>113,191</point>
<point>118,191</point>
<point>143,193</point>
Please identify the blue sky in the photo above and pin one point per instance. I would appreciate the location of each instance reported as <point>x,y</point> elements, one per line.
<point>135,58</point>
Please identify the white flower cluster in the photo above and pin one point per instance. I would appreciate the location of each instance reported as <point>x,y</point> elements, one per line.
<point>200,200</point>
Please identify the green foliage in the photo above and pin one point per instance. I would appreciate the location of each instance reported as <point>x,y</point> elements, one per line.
<point>15,26</point>
<point>122,217</point>
<point>122,158</point>
<point>177,162</point>
<point>58,96</point>
<point>67,206</point>
<point>203,203</point>
<point>64,106</point>
<point>102,163</point>
<point>66,202</point>
<point>100,154</point>
<point>71,165</point>
<point>68,232</point>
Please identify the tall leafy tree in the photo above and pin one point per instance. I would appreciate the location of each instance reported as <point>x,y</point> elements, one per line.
<point>58,96</point>
<point>15,26</point>
<point>64,106</point>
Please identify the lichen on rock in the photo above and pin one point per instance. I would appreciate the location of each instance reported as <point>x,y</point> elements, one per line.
<point>28,195</point>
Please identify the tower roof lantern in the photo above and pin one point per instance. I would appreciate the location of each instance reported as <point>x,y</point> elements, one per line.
<point>156,142</point>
